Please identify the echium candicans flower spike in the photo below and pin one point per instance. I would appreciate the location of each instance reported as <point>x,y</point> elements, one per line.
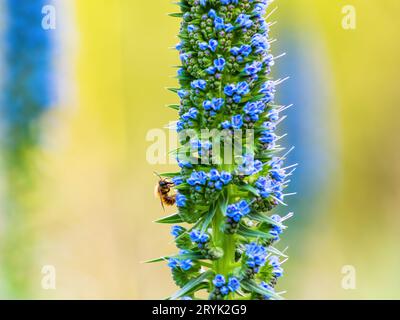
<point>225,85</point>
<point>25,96</point>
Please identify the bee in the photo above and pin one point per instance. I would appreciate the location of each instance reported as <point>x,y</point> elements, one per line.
<point>162,191</point>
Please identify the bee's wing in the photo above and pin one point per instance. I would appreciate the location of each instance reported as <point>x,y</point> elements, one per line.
<point>158,194</point>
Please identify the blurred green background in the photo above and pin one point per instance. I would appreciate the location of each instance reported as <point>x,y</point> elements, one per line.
<point>90,209</point>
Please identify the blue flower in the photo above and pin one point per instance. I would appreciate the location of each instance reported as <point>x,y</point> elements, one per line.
<point>237,98</point>
<point>260,43</point>
<point>212,14</point>
<point>256,255</point>
<point>219,185</point>
<point>180,200</point>
<point>219,23</point>
<point>219,280</point>
<point>173,263</point>
<point>224,290</point>
<point>276,266</point>
<point>233,284</point>
<point>237,121</point>
<point>197,237</point>
<point>186,264</point>
<point>254,109</point>
<point>217,103</point>
<point>268,90</point>
<point>230,90</point>
<point>203,46</point>
<point>273,115</point>
<point>177,180</point>
<point>233,212</point>
<point>243,88</point>
<point>207,105</point>
<point>213,44</point>
<point>182,93</point>
<point>264,186</point>
<point>253,68</point>
<point>225,177</point>
<point>226,125</point>
<point>278,175</point>
<point>267,137</point>
<point>191,114</point>
<point>238,210</point>
<point>214,175</point>
<point>191,28</point>
<point>243,20</point>
<point>203,2</point>
<point>199,84</point>
<point>219,64</point>
<point>249,165</point>
<point>184,164</point>
<point>197,178</point>
<point>245,50</point>
<point>211,70</point>
<point>176,231</point>
<point>229,27</point>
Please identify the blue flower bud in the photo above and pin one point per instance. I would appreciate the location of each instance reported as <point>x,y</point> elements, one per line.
<point>219,280</point>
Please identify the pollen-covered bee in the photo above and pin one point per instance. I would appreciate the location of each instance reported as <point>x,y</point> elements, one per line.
<point>162,191</point>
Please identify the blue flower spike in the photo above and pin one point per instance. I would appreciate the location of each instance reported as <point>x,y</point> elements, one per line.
<point>225,200</point>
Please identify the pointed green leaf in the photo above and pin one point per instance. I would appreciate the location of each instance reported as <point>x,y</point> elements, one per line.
<point>171,219</point>
<point>176,15</point>
<point>192,256</point>
<point>252,286</point>
<point>191,285</point>
<point>169,174</point>
<point>174,90</point>
<point>208,218</point>
<point>251,189</point>
<point>174,106</point>
<point>253,233</point>
<point>262,217</point>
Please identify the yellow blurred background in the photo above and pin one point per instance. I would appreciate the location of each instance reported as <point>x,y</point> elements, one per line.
<point>92,207</point>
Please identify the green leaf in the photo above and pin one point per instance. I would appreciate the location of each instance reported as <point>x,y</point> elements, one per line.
<point>208,218</point>
<point>171,219</point>
<point>262,217</point>
<point>252,286</point>
<point>174,106</point>
<point>182,186</point>
<point>174,90</point>
<point>250,188</point>
<point>192,256</point>
<point>169,174</point>
<point>223,202</point>
<point>192,285</point>
<point>182,277</point>
<point>176,15</point>
<point>253,233</point>
<point>184,242</point>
